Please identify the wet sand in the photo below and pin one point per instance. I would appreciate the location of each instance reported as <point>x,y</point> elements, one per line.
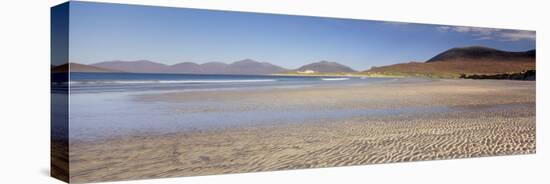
<point>482,118</point>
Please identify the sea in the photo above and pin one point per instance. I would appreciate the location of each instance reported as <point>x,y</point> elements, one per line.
<point>127,82</point>
<point>106,105</point>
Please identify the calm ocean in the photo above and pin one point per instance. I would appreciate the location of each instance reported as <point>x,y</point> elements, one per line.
<point>125,82</point>
<point>107,104</point>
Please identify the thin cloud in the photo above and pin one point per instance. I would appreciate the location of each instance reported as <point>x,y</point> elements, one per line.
<point>485,38</point>
<point>490,33</point>
<point>518,35</point>
<point>396,23</point>
<point>443,28</point>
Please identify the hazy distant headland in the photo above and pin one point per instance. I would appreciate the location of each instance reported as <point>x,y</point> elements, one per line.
<point>76,67</point>
<point>452,63</point>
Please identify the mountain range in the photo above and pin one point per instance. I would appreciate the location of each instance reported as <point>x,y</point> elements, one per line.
<point>246,66</point>
<point>242,67</point>
<point>448,64</point>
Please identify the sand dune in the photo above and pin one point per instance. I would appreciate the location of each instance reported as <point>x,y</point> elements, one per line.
<point>485,118</point>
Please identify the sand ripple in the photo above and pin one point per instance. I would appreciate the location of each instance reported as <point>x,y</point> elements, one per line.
<point>473,130</point>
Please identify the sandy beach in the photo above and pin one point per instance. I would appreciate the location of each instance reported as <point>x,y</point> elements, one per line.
<point>396,121</point>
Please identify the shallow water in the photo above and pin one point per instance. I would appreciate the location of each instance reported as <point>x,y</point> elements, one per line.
<point>102,106</point>
<point>104,115</point>
<point>100,112</point>
<point>133,82</point>
<point>112,114</point>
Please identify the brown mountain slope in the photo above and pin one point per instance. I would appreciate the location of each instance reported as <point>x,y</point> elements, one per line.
<point>468,60</point>
<point>76,67</point>
<point>474,53</point>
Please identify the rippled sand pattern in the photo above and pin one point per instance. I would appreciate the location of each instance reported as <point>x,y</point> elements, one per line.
<point>467,131</point>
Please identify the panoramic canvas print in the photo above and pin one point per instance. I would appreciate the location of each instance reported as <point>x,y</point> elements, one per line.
<point>143,92</point>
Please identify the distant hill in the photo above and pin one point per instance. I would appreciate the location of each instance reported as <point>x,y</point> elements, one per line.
<point>249,66</point>
<point>186,67</point>
<point>140,66</point>
<point>467,60</point>
<point>243,67</point>
<point>76,67</point>
<point>326,67</point>
<point>215,67</point>
<point>476,53</point>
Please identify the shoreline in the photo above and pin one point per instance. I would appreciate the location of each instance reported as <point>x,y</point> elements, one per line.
<point>486,118</point>
<point>352,75</point>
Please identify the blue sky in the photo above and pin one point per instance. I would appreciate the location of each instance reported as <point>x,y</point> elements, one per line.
<point>104,32</point>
